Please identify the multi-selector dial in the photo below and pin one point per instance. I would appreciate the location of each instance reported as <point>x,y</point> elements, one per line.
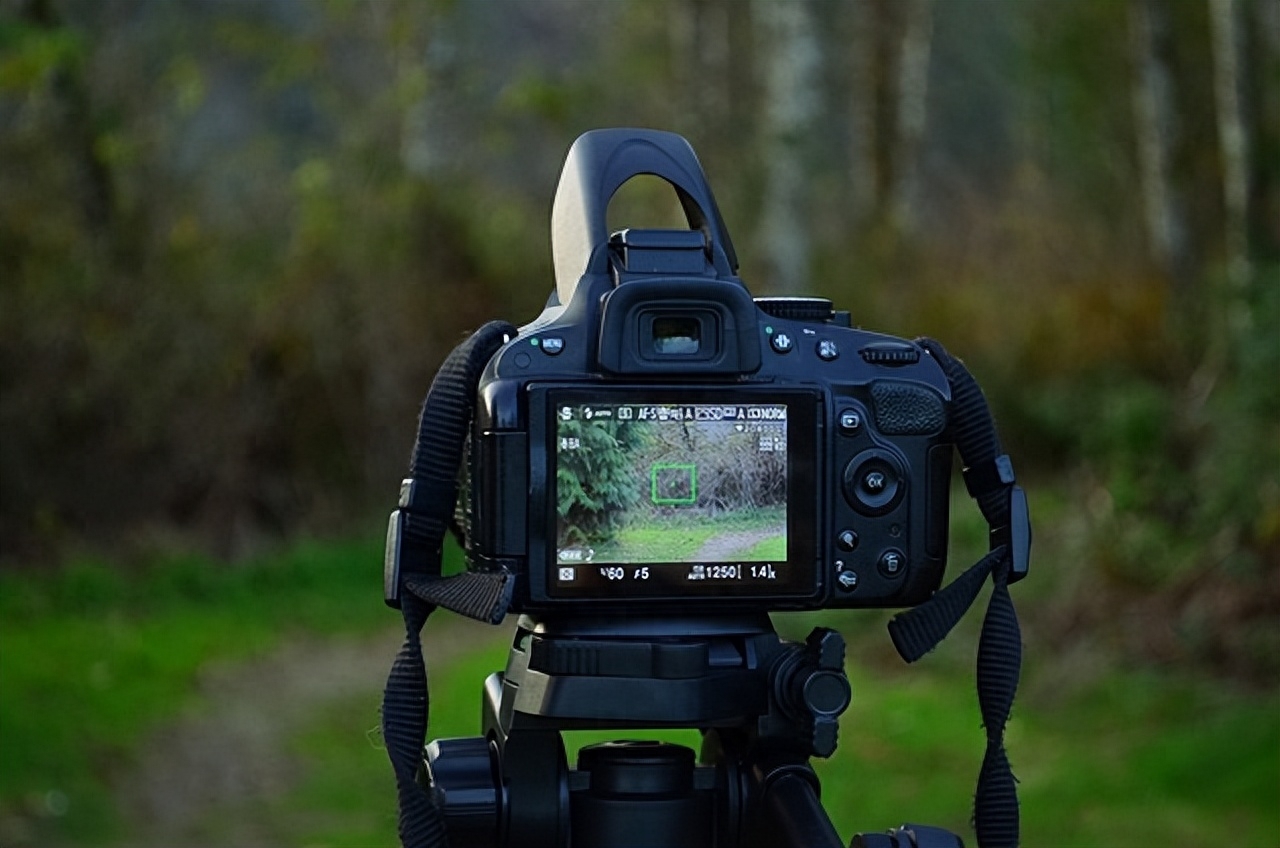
<point>874,482</point>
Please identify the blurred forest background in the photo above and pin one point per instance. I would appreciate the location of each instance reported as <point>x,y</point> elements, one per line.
<point>236,239</point>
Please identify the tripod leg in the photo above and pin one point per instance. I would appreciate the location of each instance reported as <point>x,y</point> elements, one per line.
<point>536,778</point>
<point>788,796</point>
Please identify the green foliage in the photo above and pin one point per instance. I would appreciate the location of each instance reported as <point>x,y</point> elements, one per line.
<point>732,473</point>
<point>1075,61</point>
<point>238,326</point>
<point>235,241</point>
<point>597,483</point>
<point>1178,477</point>
<point>30,54</point>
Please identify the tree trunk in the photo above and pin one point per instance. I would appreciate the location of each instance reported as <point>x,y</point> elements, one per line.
<point>896,40</point>
<point>1232,141</point>
<point>863,198</point>
<point>911,110</point>
<point>790,111</point>
<point>698,32</point>
<point>1155,130</point>
<point>1264,28</point>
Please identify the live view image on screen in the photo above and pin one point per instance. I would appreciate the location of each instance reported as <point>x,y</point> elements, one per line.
<point>668,483</point>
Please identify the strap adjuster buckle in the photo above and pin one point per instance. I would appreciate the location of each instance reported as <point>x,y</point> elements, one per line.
<point>1016,534</point>
<point>391,560</point>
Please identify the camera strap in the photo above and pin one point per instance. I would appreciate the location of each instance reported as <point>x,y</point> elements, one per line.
<point>429,494</point>
<point>412,579</point>
<point>414,584</point>
<point>988,475</point>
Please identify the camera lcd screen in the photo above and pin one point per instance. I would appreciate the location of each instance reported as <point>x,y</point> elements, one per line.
<point>682,496</point>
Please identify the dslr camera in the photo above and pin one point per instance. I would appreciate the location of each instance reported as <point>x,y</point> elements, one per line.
<point>653,465</point>
<point>660,440</point>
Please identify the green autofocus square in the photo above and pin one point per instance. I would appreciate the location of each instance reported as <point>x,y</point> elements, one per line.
<point>669,476</point>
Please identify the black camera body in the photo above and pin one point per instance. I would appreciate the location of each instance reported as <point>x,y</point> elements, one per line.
<point>656,463</point>
<point>657,439</point>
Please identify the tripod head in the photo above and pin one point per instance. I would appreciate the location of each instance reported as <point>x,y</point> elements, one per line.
<point>679,671</point>
<point>764,706</point>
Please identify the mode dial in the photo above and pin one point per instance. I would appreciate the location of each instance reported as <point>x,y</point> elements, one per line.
<point>797,308</point>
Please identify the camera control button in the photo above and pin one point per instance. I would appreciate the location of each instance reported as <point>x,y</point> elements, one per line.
<point>874,482</point>
<point>850,421</point>
<point>827,350</point>
<point>781,342</point>
<point>847,540</point>
<point>892,563</point>
<point>552,345</point>
<point>847,580</point>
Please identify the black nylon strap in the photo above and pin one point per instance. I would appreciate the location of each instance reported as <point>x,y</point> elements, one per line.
<point>995,803</point>
<point>972,428</point>
<point>405,706</point>
<point>442,432</point>
<point>427,501</point>
<point>988,476</point>
<point>917,631</point>
<point>476,594</point>
<point>428,496</point>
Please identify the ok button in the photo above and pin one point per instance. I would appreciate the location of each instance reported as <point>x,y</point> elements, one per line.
<point>873,482</point>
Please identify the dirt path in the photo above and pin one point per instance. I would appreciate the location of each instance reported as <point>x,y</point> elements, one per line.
<point>726,546</point>
<point>233,752</point>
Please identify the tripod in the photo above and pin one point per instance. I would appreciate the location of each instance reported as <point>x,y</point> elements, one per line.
<point>764,707</point>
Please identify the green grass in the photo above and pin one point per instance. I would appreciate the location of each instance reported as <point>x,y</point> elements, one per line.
<point>92,657</point>
<point>653,543</point>
<point>1135,761</point>
<point>1141,759</point>
<point>347,798</point>
<point>678,538</point>
<point>773,548</point>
